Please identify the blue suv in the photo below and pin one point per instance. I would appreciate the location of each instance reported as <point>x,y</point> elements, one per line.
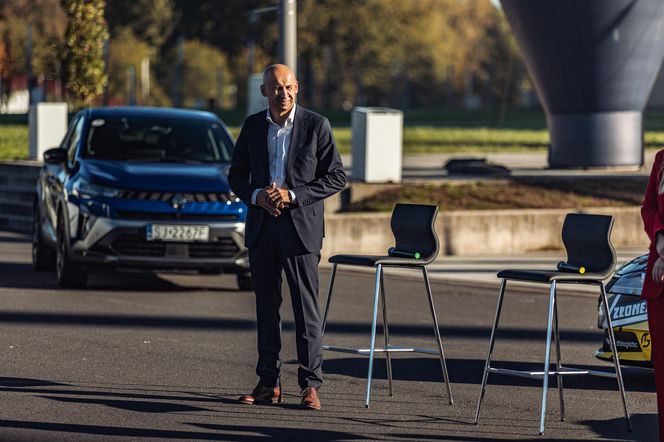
<point>139,188</point>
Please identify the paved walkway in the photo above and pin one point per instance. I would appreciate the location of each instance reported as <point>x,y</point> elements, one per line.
<point>430,166</point>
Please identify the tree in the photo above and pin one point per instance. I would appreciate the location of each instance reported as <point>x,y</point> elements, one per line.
<point>47,21</point>
<point>229,26</point>
<point>126,50</point>
<point>85,38</point>
<point>350,52</point>
<point>205,74</point>
<point>151,21</point>
<point>391,52</point>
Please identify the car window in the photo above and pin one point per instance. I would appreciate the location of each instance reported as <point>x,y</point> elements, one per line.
<point>75,137</point>
<point>70,129</point>
<point>158,139</point>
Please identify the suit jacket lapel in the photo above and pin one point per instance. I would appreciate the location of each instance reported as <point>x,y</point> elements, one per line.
<point>262,156</point>
<point>298,129</point>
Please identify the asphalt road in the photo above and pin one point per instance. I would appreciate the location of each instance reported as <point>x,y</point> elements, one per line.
<point>143,357</point>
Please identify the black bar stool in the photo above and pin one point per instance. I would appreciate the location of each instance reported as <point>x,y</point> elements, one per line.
<point>416,245</point>
<point>590,260</point>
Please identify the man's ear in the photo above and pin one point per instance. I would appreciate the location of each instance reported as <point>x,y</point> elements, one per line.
<point>263,91</point>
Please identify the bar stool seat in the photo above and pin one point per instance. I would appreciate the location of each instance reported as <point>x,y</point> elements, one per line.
<point>374,260</point>
<point>548,276</point>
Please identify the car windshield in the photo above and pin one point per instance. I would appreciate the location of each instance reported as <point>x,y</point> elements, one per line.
<point>158,139</point>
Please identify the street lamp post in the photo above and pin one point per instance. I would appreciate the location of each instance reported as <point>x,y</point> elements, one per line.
<point>288,33</point>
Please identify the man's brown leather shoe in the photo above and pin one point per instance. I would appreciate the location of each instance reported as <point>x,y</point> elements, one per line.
<point>262,396</point>
<point>310,399</point>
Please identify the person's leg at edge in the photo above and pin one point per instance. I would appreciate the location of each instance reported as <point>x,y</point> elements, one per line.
<point>656,328</point>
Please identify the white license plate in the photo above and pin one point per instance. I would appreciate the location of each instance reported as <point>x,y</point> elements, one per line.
<point>177,232</point>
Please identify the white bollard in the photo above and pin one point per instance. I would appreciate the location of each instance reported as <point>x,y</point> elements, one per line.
<point>47,123</point>
<point>256,102</point>
<point>377,144</point>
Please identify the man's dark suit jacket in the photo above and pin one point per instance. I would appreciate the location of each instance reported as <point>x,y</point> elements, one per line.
<point>313,172</point>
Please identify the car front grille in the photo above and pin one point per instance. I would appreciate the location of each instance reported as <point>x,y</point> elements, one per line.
<point>153,195</point>
<point>130,245</point>
<point>126,214</point>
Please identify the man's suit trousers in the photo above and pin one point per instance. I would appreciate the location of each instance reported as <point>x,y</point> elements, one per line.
<point>278,249</point>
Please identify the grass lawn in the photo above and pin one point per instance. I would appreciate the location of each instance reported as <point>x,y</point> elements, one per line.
<point>416,139</point>
<point>424,132</point>
<point>13,142</point>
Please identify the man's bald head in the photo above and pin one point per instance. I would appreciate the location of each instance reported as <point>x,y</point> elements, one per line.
<point>277,71</point>
<point>280,88</point>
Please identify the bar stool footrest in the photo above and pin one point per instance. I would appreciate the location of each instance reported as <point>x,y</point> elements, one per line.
<point>388,349</point>
<point>565,371</point>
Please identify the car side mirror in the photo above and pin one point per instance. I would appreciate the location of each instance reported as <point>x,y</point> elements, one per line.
<point>55,155</point>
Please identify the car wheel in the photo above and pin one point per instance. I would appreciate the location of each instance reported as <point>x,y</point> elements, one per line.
<point>43,257</point>
<point>68,273</point>
<point>244,282</point>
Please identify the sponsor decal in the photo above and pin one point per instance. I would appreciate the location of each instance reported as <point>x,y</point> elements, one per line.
<point>645,340</point>
<point>628,313</point>
<point>626,342</point>
<point>627,345</point>
<point>629,310</point>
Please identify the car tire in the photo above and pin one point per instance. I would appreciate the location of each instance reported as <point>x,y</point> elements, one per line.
<point>43,256</point>
<point>68,273</point>
<point>244,282</point>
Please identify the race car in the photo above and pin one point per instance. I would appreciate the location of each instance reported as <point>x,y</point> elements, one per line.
<point>629,316</point>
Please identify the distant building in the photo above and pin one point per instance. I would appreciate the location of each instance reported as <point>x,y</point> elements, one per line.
<point>18,101</point>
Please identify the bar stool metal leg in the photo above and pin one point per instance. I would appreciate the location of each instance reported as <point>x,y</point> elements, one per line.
<point>386,334</point>
<point>329,297</point>
<point>436,329</point>
<point>616,360</point>
<point>379,270</point>
<point>485,375</point>
<point>547,355</point>
<point>556,337</point>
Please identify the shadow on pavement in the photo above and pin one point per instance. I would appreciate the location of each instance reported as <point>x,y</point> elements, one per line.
<point>77,396</point>
<point>463,331</point>
<point>14,238</point>
<point>27,317</point>
<point>131,405</point>
<point>469,371</point>
<point>293,434</point>
<point>22,276</point>
<point>643,428</point>
<point>25,382</point>
<point>476,438</point>
<point>219,432</point>
<point>166,322</point>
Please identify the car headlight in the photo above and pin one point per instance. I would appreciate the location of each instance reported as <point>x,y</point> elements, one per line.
<point>84,189</point>
<point>601,317</point>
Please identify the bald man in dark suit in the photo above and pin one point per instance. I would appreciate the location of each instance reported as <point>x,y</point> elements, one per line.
<point>285,164</point>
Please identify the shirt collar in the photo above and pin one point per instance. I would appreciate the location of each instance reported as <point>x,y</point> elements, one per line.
<point>289,118</point>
